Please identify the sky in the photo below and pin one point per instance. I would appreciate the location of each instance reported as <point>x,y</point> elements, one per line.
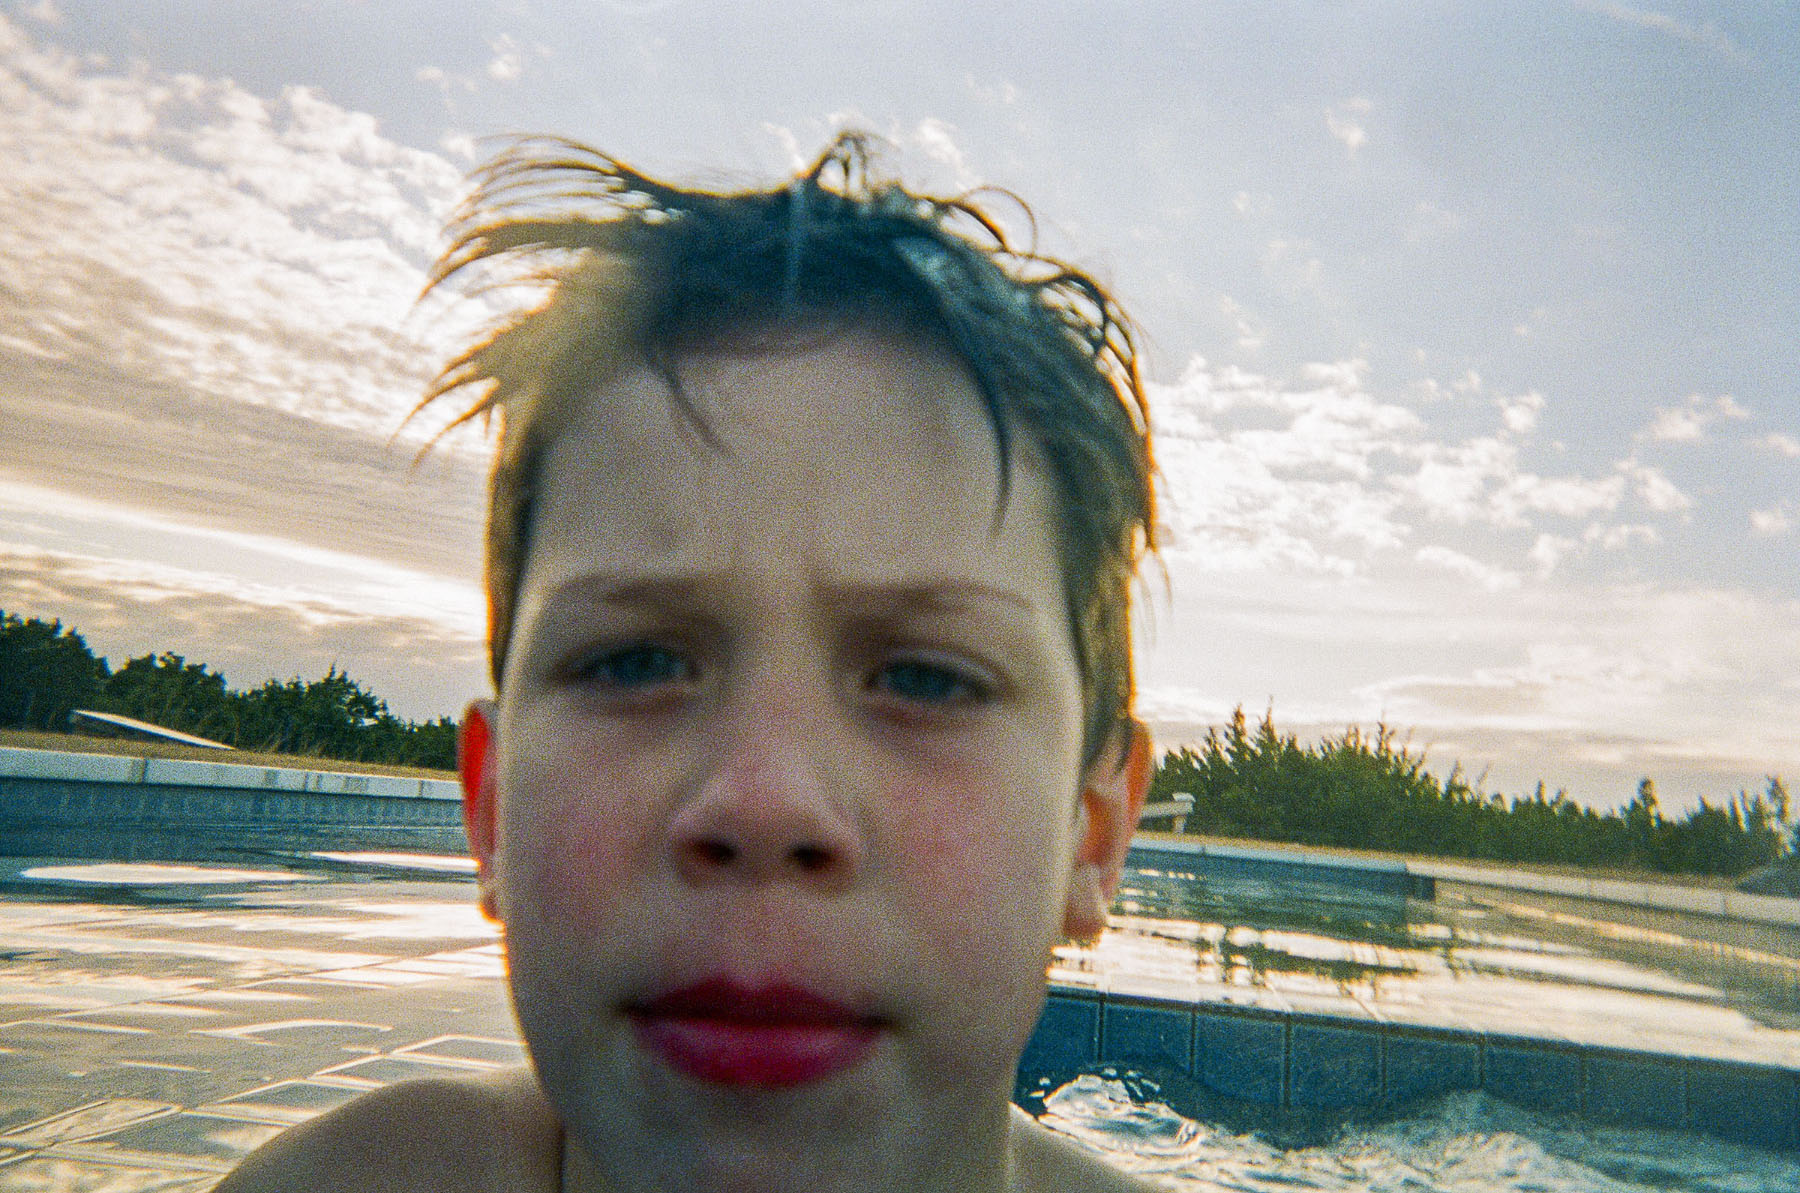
<point>1471,331</point>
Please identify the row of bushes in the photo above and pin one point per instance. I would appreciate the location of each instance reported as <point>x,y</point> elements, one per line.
<point>1367,791</point>
<point>47,670</point>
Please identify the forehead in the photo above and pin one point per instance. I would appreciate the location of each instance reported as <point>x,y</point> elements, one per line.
<point>873,449</point>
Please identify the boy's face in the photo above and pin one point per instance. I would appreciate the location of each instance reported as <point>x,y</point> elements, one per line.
<point>785,805</point>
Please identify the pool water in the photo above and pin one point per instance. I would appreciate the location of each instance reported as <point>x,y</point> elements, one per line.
<point>1496,965</point>
<point>1454,962</point>
<point>1463,1143</point>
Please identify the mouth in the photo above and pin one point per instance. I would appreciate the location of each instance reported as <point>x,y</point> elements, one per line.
<point>724,1032</point>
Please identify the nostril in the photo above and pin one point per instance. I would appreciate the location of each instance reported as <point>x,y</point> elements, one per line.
<point>714,853</point>
<point>811,858</point>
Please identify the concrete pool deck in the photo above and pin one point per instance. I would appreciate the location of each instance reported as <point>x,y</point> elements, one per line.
<point>154,1028</point>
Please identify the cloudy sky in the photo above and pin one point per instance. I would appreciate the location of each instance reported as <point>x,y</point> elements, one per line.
<point>1473,329</point>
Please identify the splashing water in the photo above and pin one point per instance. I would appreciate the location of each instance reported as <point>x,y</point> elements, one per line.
<point>1463,1143</point>
<point>1142,1136</point>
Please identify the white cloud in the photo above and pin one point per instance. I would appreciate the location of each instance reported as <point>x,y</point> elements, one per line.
<point>1627,660</point>
<point>1344,123</point>
<point>45,11</point>
<point>1548,551</point>
<point>795,158</point>
<point>1676,426</point>
<point>1786,445</point>
<point>1655,489</point>
<point>1520,414</point>
<point>508,62</point>
<point>1258,474</point>
<point>1321,474</point>
<point>1002,91</point>
<point>1688,422</point>
<point>1251,334</point>
<point>937,138</point>
<point>1563,496</point>
<point>448,85</point>
<point>1772,522</point>
<point>1455,562</point>
<point>459,145</point>
<point>1619,537</point>
<point>1480,480</point>
<point>247,565</point>
<point>267,251</point>
<point>1708,35</point>
<point>209,342</point>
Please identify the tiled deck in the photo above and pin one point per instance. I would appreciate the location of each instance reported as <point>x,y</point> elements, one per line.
<point>150,1037</point>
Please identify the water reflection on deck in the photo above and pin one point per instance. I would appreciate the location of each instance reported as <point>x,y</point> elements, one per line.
<point>159,1022</point>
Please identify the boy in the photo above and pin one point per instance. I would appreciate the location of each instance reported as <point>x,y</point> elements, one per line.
<point>813,523</point>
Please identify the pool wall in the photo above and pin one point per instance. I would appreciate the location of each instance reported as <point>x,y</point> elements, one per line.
<point>55,804</point>
<point>1294,1061</point>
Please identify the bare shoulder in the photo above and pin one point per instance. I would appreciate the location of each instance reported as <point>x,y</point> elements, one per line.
<point>1052,1163</point>
<point>489,1131</point>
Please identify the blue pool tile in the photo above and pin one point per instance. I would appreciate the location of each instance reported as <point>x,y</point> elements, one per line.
<point>1423,1066</point>
<point>1744,1104</point>
<point>1533,1076</point>
<point>1241,1056</point>
<point>1334,1066</point>
<point>1641,1092</point>
<point>1142,1032</point>
<point>1067,1035</point>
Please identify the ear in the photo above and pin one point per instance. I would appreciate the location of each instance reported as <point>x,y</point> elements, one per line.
<point>475,763</point>
<point>1111,799</point>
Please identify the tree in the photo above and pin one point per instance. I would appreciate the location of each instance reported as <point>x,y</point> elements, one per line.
<point>168,690</point>
<point>332,716</point>
<point>45,671</point>
<point>1643,819</point>
<point>1368,791</point>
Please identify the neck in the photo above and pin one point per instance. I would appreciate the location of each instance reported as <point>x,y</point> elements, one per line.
<point>975,1154</point>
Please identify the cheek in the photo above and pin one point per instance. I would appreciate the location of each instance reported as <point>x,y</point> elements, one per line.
<point>986,883</point>
<point>565,852</point>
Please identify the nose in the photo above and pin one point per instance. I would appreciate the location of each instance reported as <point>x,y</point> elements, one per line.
<point>768,810</point>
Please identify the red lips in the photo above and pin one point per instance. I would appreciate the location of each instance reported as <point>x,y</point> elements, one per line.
<point>772,1037</point>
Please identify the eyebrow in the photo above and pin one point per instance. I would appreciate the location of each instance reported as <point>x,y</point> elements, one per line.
<point>943,595</point>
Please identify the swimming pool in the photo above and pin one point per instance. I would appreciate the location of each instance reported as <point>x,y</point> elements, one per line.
<point>158,1019</point>
<point>1252,1034</point>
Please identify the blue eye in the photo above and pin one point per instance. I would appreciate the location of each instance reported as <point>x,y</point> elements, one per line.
<point>919,682</point>
<point>640,665</point>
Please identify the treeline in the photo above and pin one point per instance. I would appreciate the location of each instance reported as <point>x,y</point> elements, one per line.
<point>1367,792</point>
<point>47,670</point>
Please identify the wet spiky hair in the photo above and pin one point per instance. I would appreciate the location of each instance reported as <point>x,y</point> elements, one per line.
<point>638,271</point>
